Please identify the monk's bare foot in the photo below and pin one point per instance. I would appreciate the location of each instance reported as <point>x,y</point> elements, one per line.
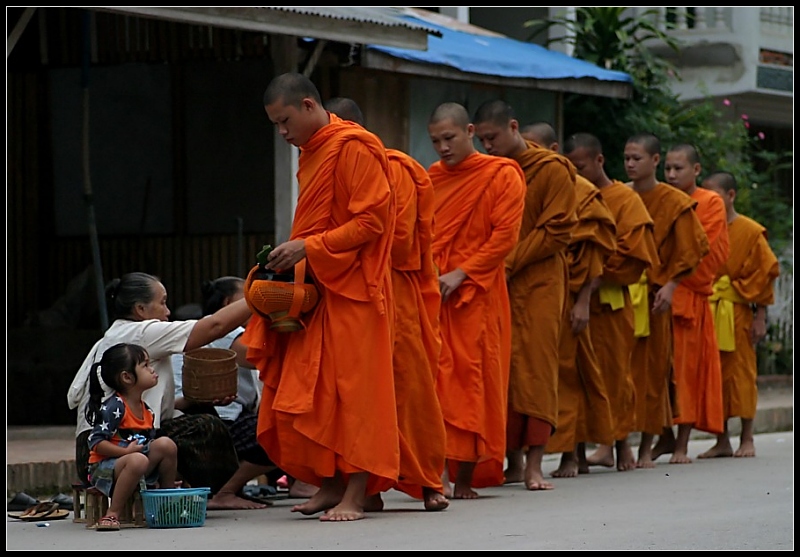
<point>665,445</point>
<point>680,457</point>
<point>645,459</point>
<point>625,459</point>
<point>434,501</point>
<point>322,500</point>
<point>463,492</point>
<point>343,513</point>
<point>567,468</point>
<point>602,456</point>
<point>583,466</point>
<point>225,500</point>
<point>514,476</point>
<point>746,448</point>
<point>535,485</point>
<point>447,488</point>
<point>515,471</point>
<point>301,490</point>
<point>534,481</point>
<point>373,503</point>
<point>719,450</point>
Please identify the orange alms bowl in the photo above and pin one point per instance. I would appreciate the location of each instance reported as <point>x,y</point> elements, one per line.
<point>281,302</point>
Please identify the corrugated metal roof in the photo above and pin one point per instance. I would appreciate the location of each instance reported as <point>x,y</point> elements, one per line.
<point>388,16</point>
<point>376,25</point>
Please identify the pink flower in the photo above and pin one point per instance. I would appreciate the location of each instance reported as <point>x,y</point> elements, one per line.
<point>747,125</point>
<point>726,102</point>
<point>744,116</point>
<point>761,135</point>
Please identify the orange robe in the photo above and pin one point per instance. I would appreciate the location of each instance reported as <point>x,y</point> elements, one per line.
<point>417,342</point>
<point>752,268</point>
<point>612,328</point>
<point>537,286</point>
<point>479,205</point>
<point>584,409</point>
<point>328,401</point>
<point>681,244</point>
<point>696,365</point>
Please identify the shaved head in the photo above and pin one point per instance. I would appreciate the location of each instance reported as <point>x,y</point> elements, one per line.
<point>291,88</point>
<point>450,111</point>
<point>541,133</point>
<point>497,112</point>
<point>346,109</point>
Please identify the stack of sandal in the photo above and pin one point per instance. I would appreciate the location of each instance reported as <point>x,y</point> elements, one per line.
<point>40,511</point>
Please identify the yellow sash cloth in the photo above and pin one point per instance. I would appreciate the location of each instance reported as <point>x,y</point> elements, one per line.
<point>722,301</point>
<point>641,311</point>
<point>612,295</point>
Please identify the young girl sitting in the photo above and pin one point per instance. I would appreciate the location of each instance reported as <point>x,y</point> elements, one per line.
<point>123,450</point>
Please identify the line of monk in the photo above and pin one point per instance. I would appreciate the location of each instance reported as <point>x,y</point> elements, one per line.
<point>497,307</point>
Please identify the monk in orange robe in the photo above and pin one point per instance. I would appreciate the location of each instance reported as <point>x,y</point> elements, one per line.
<point>682,243</point>
<point>745,281</point>
<point>538,276</point>
<point>696,363</point>
<point>479,201</point>
<point>612,319</point>
<point>417,343</point>
<point>584,408</point>
<point>322,384</point>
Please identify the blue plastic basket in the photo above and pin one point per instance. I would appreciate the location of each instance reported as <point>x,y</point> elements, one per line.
<point>175,508</point>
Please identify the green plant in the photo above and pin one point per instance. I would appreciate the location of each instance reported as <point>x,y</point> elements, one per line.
<point>609,38</point>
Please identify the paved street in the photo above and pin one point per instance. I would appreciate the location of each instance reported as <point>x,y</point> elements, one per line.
<point>733,504</point>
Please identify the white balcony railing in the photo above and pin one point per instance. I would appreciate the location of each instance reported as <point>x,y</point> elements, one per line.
<point>690,20</point>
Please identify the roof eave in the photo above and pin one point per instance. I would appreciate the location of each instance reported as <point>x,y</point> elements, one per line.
<point>585,86</point>
<point>266,20</point>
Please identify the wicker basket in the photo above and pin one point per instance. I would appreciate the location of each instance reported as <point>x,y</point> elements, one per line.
<point>210,374</point>
<point>281,302</point>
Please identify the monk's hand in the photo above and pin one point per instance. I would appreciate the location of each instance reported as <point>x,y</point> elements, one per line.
<point>663,299</point>
<point>579,317</point>
<point>286,255</point>
<point>449,282</point>
<point>758,330</point>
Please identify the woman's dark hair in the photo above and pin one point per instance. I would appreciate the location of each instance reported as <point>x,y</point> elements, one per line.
<point>122,294</point>
<point>216,291</point>
<point>120,357</point>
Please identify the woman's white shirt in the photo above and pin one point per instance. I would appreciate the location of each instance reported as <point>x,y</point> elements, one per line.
<point>161,339</point>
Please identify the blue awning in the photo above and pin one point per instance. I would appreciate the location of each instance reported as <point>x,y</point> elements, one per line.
<point>499,56</point>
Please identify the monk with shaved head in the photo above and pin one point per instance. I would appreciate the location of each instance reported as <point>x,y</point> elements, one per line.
<point>322,385</point>
<point>417,343</point>
<point>537,272</point>
<point>479,200</point>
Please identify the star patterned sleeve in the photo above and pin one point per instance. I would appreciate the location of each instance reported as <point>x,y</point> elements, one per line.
<point>108,420</point>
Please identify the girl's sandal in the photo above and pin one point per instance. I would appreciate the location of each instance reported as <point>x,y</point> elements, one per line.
<point>108,524</point>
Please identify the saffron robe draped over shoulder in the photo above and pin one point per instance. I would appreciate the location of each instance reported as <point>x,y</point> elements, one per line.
<point>752,269</point>
<point>612,328</point>
<point>537,286</point>
<point>584,410</point>
<point>479,205</point>
<point>328,401</point>
<point>696,364</point>
<point>681,243</point>
<point>417,341</point>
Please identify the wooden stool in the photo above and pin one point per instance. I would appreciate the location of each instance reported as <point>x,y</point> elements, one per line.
<point>90,505</point>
